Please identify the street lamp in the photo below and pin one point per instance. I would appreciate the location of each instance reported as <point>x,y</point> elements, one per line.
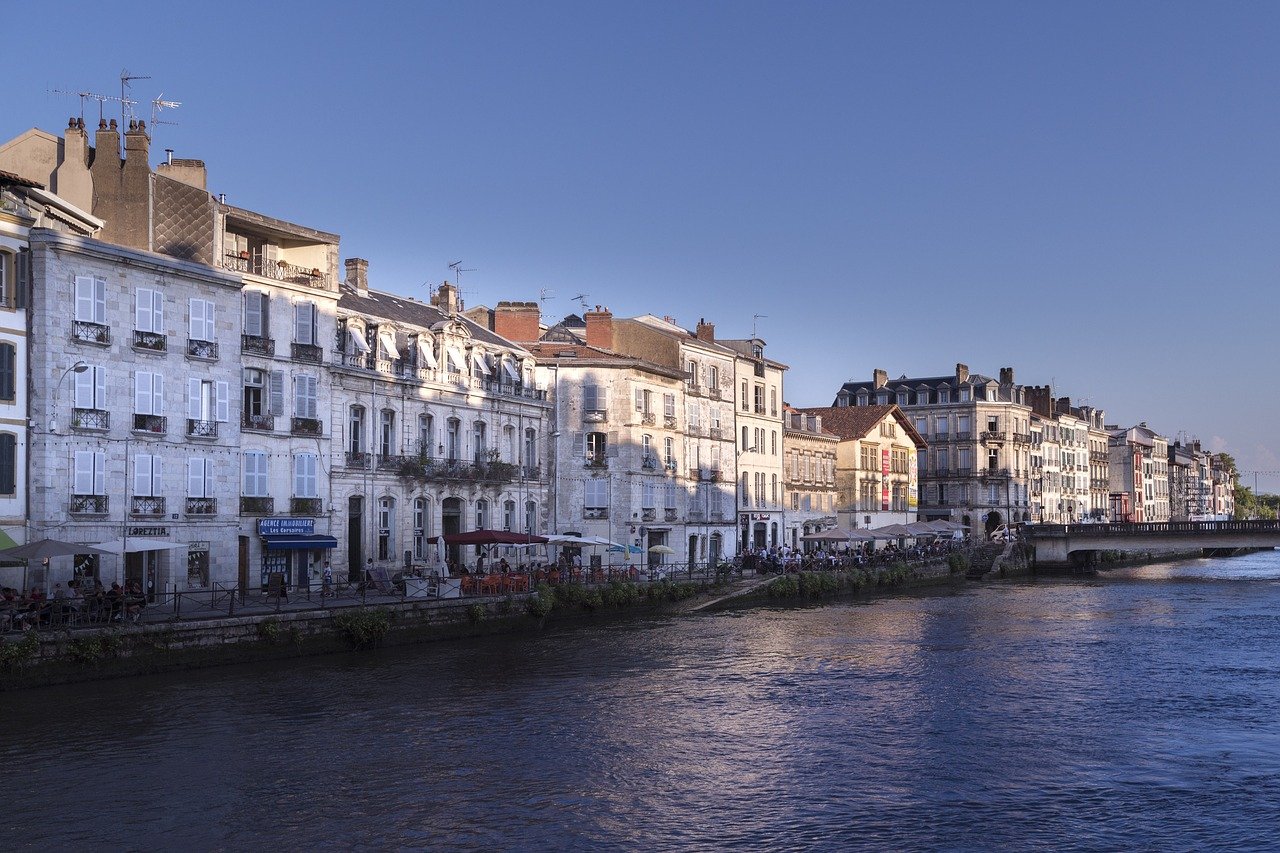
<point>78,367</point>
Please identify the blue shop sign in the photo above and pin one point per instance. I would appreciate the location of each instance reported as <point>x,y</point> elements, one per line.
<point>293,526</point>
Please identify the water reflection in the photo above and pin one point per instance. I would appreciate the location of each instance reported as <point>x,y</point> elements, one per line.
<point>1135,710</point>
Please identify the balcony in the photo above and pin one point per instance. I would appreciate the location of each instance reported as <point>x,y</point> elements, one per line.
<point>278,271</point>
<point>257,505</point>
<point>389,462</point>
<point>207,350</point>
<point>306,426</point>
<point>150,341</point>
<point>1100,485</point>
<point>992,435</point>
<point>304,506</point>
<point>531,472</point>
<point>202,506</point>
<point>201,429</point>
<point>648,418</point>
<point>259,423</point>
<point>649,463</point>
<point>1022,438</point>
<point>964,435</point>
<point>307,352</point>
<point>715,432</point>
<point>696,515</point>
<point>713,475</point>
<point>154,424</point>
<point>669,421</point>
<point>91,419</point>
<point>146,505</point>
<point>591,512</point>
<point>596,462</point>
<point>713,393</point>
<point>257,345</point>
<point>693,389</point>
<point>595,416</point>
<point>89,504</point>
<point>91,333</point>
<point>669,514</point>
<point>995,474</point>
<point>1098,456</point>
<point>357,459</point>
<point>648,514</point>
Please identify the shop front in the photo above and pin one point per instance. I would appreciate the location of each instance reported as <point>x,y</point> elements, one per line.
<point>292,549</point>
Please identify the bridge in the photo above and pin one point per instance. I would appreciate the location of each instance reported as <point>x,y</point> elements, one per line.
<point>1074,543</point>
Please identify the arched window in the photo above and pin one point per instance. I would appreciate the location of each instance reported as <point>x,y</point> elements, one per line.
<point>478,442</point>
<point>509,515</point>
<point>421,526</point>
<point>426,435</point>
<point>453,440</point>
<point>355,433</point>
<point>387,445</point>
<point>530,517</point>
<point>530,449</point>
<point>482,514</point>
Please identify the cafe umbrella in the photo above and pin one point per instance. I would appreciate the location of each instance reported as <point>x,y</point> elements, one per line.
<point>43,549</point>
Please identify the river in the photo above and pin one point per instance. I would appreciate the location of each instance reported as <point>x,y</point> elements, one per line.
<point>1136,710</point>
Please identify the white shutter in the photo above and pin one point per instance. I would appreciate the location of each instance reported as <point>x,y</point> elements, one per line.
<point>222,404</point>
<point>195,478</point>
<point>455,358</point>
<point>142,474</point>
<point>208,479</point>
<point>84,298</point>
<point>84,390</point>
<point>247,474</point>
<point>142,393</point>
<point>142,310</point>
<point>157,393</point>
<point>509,366</point>
<point>358,341</point>
<point>82,483</point>
<point>481,361</point>
<point>99,300</point>
<point>193,399</point>
<point>253,312</point>
<point>427,347</point>
<point>276,395</point>
<point>639,400</point>
<point>388,343</point>
<point>304,322</point>
<point>157,312</point>
<point>196,322</point>
<point>209,326</point>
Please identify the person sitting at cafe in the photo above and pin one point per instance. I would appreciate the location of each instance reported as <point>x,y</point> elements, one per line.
<point>115,600</point>
<point>134,601</point>
<point>504,566</point>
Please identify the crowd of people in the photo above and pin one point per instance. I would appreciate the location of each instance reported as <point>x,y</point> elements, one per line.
<point>785,559</point>
<point>80,600</point>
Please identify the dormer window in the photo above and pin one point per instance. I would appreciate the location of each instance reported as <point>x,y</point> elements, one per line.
<point>944,395</point>
<point>882,398</point>
<point>862,398</point>
<point>966,394</point>
<point>902,398</point>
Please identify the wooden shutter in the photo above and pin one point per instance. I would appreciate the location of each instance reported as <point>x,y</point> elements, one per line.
<point>196,322</point>
<point>195,478</point>
<point>275,398</point>
<point>254,314</point>
<point>193,399</point>
<point>222,402</point>
<point>142,393</point>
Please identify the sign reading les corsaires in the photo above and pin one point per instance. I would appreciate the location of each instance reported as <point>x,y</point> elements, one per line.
<point>280,526</point>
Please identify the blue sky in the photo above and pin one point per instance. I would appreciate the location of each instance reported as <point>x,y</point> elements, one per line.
<point>1084,192</point>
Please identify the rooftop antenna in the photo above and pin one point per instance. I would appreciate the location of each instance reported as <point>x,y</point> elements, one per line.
<point>158,104</point>
<point>101,99</point>
<point>545,295</point>
<point>754,319</point>
<point>581,299</point>
<point>127,105</point>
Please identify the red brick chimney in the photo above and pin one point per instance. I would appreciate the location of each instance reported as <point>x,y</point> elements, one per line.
<point>599,328</point>
<point>517,321</point>
<point>706,331</point>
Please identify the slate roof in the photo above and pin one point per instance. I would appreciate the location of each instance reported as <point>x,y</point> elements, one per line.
<point>854,422</point>
<point>977,381</point>
<point>414,313</point>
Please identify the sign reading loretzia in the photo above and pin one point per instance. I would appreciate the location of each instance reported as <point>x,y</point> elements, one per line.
<point>286,526</point>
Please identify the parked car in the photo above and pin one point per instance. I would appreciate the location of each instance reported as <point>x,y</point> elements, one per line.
<point>1002,534</point>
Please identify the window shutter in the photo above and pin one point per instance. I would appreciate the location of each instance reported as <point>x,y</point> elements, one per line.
<point>304,322</point>
<point>222,407</point>
<point>195,478</point>
<point>639,400</point>
<point>82,483</point>
<point>8,372</point>
<point>579,445</point>
<point>142,393</point>
<point>99,300</point>
<point>84,298</point>
<point>208,323</point>
<point>253,314</point>
<point>611,449</point>
<point>157,312</point>
<point>142,474</point>
<point>193,399</point>
<point>99,387</point>
<point>247,475</point>
<point>157,393</point>
<point>195,325</point>
<point>84,390</point>
<point>276,395</point>
<point>208,479</point>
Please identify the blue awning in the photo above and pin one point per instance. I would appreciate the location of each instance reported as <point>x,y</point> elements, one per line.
<point>298,542</point>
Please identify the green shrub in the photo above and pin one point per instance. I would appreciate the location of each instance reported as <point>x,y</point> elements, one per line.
<point>86,650</point>
<point>958,562</point>
<point>15,654</point>
<point>541,603</point>
<point>363,629</point>
<point>269,630</point>
<point>475,614</point>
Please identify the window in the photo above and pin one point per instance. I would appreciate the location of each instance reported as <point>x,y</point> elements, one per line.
<point>944,395</point>
<point>902,398</point>
<point>91,388</point>
<point>208,402</point>
<point>304,476</point>
<point>713,376</point>
<point>8,463</point>
<point>530,516</point>
<point>387,433</point>
<point>146,475</point>
<point>773,401</point>
<point>530,447</point>
<point>148,393</point>
<point>482,514</point>
<point>304,323</point>
<point>478,431</point>
<point>426,435</point>
<point>355,430</point>
<point>91,299</point>
<point>944,460</point>
<point>694,373</point>
<point>694,416</point>
<point>922,427</point>
<point>256,319</point>
<point>596,494</point>
<point>759,399</point>
<point>862,398</point>
<point>715,417</point>
<point>669,452</point>
<point>647,499</point>
<point>508,515</point>
<point>592,399</point>
<point>773,442</point>
<point>596,445</point>
<point>89,477</point>
<point>746,401</point>
<point>199,478</point>
<point>304,396</point>
<point>200,326</point>
<point>420,516</point>
<point>993,458</point>
<point>254,394</point>
<point>882,398</point>
<point>386,528</point>
<point>9,372</point>
<point>669,496</point>
<point>773,489</point>
<point>966,394</point>
<point>453,439</point>
<point>669,406</point>
<point>647,458</point>
<point>254,468</point>
<point>148,311</point>
<point>962,424</point>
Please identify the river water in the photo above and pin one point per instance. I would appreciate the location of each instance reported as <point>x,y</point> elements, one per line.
<point>1138,710</point>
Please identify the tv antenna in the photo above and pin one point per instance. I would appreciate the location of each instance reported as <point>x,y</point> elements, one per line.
<point>544,296</point>
<point>458,270</point>
<point>83,96</point>
<point>581,299</point>
<point>158,104</point>
<point>754,319</point>
<point>127,105</point>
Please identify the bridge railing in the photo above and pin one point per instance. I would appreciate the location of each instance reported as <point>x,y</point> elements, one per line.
<point>1157,528</point>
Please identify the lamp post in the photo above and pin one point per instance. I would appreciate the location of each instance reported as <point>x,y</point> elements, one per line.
<point>78,367</point>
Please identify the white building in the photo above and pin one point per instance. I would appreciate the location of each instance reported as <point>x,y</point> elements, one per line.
<point>758,416</point>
